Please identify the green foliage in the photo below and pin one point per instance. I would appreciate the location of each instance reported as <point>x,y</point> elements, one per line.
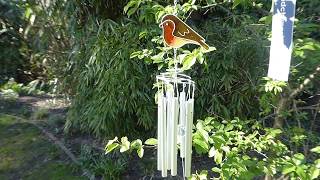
<point>112,91</point>
<point>229,71</point>
<point>8,94</point>
<point>227,85</point>
<point>124,145</point>
<point>241,149</point>
<point>56,120</point>
<point>40,114</point>
<point>32,88</point>
<point>107,167</point>
<point>32,37</point>
<point>12,42</point>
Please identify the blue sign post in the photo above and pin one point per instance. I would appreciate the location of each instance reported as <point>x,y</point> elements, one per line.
<point>281,41</point>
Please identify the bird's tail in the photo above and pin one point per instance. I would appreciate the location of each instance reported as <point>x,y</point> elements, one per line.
<point>203,44</point>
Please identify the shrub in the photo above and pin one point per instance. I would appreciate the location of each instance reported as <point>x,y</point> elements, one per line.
<point>100,165</point>
<point>113,93</point>
<point>241,149</point>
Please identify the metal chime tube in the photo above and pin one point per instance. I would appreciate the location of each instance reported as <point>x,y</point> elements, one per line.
<point>164,137</point>
<point>160,135</point>
<point>188,139</point>
<point>182,122</point>
<point>175,120</point>
<point>174,128</point>
<point>169,127</point>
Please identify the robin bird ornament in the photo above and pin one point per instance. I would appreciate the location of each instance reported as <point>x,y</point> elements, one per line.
<point>176,33</point>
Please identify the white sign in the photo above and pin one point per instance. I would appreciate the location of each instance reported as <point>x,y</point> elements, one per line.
<point>281,41</point>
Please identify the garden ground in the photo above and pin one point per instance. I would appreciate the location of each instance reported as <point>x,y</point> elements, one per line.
<point>26,149</point>
<point>34,146</point>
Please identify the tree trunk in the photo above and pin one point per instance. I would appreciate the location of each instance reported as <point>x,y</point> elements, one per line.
<point>285,100</point>
<point>279,119</point>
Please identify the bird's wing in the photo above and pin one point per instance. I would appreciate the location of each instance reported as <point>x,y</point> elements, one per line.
<point>182,30</point>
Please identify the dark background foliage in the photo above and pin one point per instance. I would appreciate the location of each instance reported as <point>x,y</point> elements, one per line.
<point>12,43</point>
<point>83,48</point>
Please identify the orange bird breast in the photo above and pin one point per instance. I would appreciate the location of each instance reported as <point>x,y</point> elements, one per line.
<point>170,39</point>
<point>168,34</point>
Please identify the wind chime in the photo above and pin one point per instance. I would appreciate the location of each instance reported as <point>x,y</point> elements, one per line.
<point>176,101</point>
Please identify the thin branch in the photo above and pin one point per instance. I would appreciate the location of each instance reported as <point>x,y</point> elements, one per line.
<point>305,83</point>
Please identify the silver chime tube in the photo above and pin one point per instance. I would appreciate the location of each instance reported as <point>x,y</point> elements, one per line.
<point>175,107</point>
<point>160,135</point>
<point>182,122</point>
<point>169,127</point>
<point>188,139</point>
<point>174,129</point>
<point>164,138</point>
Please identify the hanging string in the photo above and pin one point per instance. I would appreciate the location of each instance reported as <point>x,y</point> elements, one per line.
<point>175,11</point>
<point>175,7</point>
<point>175,60</point>
<point>183,170</point>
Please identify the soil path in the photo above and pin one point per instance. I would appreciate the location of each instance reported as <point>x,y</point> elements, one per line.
<point>25,153</point>
<point>27,149</point>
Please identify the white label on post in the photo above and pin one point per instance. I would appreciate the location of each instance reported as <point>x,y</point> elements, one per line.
<point>281,41</point>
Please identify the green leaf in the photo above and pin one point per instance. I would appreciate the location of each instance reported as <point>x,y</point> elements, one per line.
<point>151,141</point>
<point>218,157</point>
<point>226,149</point>
<point>133,10</point>
<point>301,173</point>
<point>131,3</point>
<point>158,58</point>
<point>28,12</point>
<point>210,49</point>
<point>136,144</point>
<point>218,140</point>
<point>314,173</point>
<point>111,147</point>
<point>188,62</point>
<point>212,152</point>
<point>125,144</point>
<point>236,3</point>
<point>215,169</point>
<point>317,163</point>
<point>112,141</point>
<point>201,144</point>
<point>204,134</point>
<point>203,175</point>
<point>298,158</point>
<point>266,19</point>
<point>316,150</point>
<point>288,169</point>
<point>135,54</point>
<point>140,152</point>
